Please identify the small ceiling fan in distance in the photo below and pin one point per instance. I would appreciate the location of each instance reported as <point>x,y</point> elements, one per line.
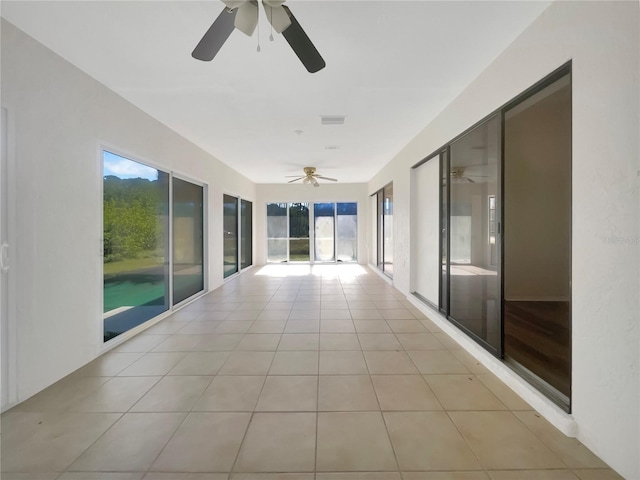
<point>243,15</point>
<point>465,174</point>
<point>310,176</point>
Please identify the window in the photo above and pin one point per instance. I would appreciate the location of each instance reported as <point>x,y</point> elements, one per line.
<point>135,244</point>
<point>333,232</point>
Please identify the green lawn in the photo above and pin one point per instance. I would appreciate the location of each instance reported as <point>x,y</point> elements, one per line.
<point>131,265</point>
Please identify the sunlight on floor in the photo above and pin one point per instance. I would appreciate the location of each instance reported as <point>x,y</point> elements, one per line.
<point>336,271</point>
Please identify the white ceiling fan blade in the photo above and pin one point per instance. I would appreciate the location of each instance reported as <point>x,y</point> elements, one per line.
<point>247,17</point>
<point>232,4</point>
<point>327,178</point>
<point>295,179</point>
<point>276,15</point>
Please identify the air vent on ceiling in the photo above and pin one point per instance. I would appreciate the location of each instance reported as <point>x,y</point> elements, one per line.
<point>331,147</point>
<point>332,119</point>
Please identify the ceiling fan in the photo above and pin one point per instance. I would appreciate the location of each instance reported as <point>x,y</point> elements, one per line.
<point>310,176</point>
<point>459,174</point>
<point>243,15</point>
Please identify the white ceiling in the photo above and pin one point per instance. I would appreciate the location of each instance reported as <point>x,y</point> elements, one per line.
<point>392,66</point>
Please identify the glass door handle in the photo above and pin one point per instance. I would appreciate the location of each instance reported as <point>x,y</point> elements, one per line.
<point>4,257</point>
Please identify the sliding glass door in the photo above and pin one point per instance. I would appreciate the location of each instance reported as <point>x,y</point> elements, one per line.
<point>299,250</point>
<point>246,234</point>
<point>474,280</point>
<point>505,234</point>
<point>324,216</point>
<point>188,239</point>
<point>388,229</point>
<point>384,229</point>
<point>347,232</point>
<point>230,235</point>
<point>135,244</point>
<point>444,231</point>
<point>331,227</point>
<point>537,245</point>
<point>237,234</point>
<point>277,233</point>
<point>425,229</point>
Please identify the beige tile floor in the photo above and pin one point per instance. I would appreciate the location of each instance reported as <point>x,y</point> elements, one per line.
<point>286,374</point>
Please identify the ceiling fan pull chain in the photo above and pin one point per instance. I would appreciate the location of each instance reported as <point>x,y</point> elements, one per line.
<point>258,49</point>
<point>271,22</point>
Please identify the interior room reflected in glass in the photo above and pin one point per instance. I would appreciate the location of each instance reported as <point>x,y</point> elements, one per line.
<point>135,243</point>
<point>474,285</point>
<point>188,268</point>
<point>537,244</point>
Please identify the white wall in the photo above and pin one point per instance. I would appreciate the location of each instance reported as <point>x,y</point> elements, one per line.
<point>326,192</point>
<point>603,41</point>
<point>59,117</point>
<point>426,265</point>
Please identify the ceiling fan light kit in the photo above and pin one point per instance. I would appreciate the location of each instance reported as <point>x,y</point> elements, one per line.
<point>243,15</point>
<point>310,177</point>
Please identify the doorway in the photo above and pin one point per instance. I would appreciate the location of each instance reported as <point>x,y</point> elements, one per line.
<point>7,332</point>
<point>537,240</point>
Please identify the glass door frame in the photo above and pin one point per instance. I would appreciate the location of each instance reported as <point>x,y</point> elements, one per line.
<point>562,401</point>
<point>380,229</point>
<point>239,201</point>
<point>205,236</point>
<point>497,350</point>
<point>445,223</point>
<point>312,234</point>
<point>107,345</point>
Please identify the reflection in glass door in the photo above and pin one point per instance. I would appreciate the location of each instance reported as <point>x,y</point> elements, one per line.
<point>246,233</point>
<point>188,241</point>
<point>537,245</point>
<point>324,214</point>
<point>474,280</point>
